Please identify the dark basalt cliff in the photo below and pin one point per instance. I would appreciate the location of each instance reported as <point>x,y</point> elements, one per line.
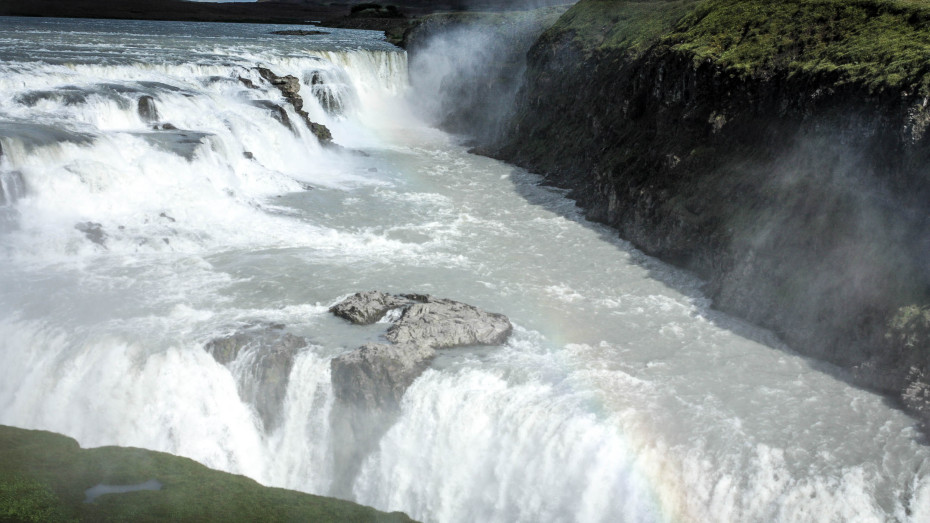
<point>777,149</point>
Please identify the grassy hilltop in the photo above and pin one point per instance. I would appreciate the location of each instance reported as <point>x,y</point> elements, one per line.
<point>43,478</point>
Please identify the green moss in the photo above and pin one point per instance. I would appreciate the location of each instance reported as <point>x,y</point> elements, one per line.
<point>879,43</point>
<point>882,44</point>
<point>25,499</point>
<point>45,476</point>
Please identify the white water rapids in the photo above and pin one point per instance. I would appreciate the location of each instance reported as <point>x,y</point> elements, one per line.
<point>127,244</point>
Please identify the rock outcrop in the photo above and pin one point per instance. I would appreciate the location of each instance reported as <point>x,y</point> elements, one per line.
<point>441,324</point>
<point>289,86</point>
<point>375,376</point>
<point>364,308</point>
<point>147,110</point>
<point>261,357</point>
<point>277,112</point>
<point>369,382</point>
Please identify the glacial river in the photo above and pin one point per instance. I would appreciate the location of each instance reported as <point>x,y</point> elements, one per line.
<point>131,239</point>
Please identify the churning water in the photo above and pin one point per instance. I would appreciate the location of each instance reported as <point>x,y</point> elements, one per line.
<point>132,233</point>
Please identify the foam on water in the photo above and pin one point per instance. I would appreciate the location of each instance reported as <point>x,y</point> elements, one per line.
<point>128,245</point>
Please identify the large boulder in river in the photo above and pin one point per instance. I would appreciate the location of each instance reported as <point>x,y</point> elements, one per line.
<point>261,357</point>
<point>376,375</point>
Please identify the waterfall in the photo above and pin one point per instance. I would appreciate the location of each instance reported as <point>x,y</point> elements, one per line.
<point>157,199</point>
<point>172,156</point>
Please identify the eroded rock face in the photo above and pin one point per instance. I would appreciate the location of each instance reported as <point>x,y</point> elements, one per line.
<point>261,357</point>
<point>760,184</point>
<point>277,112</point>
<point>376,375</point>
<point>147,110</point>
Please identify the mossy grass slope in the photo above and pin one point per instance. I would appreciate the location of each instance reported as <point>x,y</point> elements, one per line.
<point>43,477</point>
<point>881,44</point>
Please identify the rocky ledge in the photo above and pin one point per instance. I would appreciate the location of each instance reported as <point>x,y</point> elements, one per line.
<point>289,86</point>
<point>375,375</point>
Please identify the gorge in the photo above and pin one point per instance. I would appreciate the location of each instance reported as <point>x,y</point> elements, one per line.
<point>776,150</point>
<point>181,244</point>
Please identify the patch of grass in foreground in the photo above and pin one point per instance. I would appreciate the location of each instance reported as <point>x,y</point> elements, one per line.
<point>43,477</point>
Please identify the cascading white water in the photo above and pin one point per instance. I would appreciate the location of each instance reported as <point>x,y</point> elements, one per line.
<point>133,238</point>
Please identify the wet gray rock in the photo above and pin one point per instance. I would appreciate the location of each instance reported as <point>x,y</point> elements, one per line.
<point>441,324</point>
<point>290,87</point>
<point>248,83</point>
<point>375,375</point>
<point>374,372</point>
<point>364,308</point>
<point>147,110</point>
<point>261,357</point>
<point>93,231</point>
<point>277,112</point>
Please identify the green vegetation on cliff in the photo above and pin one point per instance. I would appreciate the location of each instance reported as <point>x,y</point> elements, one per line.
<point>881,44</point>
<point>43,477</point>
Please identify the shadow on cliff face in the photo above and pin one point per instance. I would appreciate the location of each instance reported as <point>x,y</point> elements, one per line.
<point>829,243</point>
